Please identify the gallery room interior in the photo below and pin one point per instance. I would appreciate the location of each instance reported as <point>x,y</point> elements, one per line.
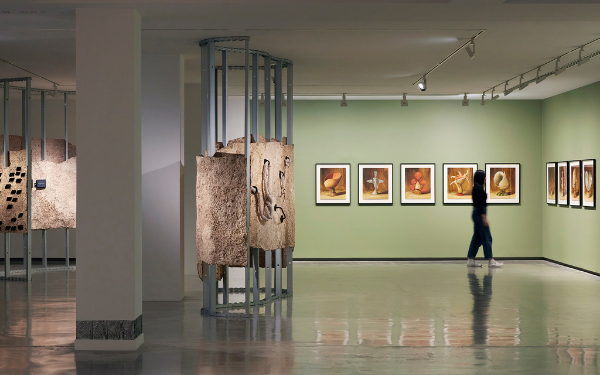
<point>266,187</point>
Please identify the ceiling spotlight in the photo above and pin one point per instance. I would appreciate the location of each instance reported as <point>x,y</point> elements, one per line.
<point>404,102</point>
<point>423,84</point>
<point>283,101</point>
<point>471,48</point>
<point>54,90</point>
<point>506,89</point>
<point>465,102</point>
<point>344,102</point>
<point>521,84</point>
<point>539,78</point>
<point>483,101</point>
<point>261,102</point>
<point>584,60</point>
<point>494,97</point>
<point>557,71</point>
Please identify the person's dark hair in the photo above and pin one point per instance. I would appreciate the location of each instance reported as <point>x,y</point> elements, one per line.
<point>479,177</point>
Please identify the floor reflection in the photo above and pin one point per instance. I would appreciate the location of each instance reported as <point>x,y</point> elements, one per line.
<point>531,317</point>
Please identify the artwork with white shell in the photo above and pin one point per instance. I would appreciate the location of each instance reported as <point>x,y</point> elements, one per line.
<point>503,183</point>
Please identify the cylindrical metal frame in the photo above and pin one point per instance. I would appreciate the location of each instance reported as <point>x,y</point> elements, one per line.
<point>224,97</point>
<point>6,148</point>
<point>67,233</point>
<point>209,119</point>
<point>43,156</point>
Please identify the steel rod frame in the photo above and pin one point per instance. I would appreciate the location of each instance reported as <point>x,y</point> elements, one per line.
<point>278,101</point>
<point>247,131</point>
<point>255,96</point>
<point>67,234</point>
<point>290,141</point>
<point>268,275</point>
<point>268,99</point>
<point>255,275</point>
<point>6,145</point>
<point>43,152</point>
<point>224,97</point>
<point>27,136</point>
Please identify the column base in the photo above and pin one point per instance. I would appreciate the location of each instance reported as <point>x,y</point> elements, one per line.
<point>116,345</point>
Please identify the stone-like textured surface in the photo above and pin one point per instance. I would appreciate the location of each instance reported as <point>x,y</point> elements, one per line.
<point>13,194</point>
<point>264,234</point>
<point>54,206</point>
<point>221,236</point>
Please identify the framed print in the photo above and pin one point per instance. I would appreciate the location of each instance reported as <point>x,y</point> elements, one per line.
<point>458,182</point>
<point>417,183</point>
<point>575,183</point>
<point>589,182</point>
<point>333,183</point>
<point>375,183</point>
<point>551,182</point>
<point>502,183</point>
<point>563,183</point>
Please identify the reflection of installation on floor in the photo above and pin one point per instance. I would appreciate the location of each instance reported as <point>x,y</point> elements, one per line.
<point>52,206</point>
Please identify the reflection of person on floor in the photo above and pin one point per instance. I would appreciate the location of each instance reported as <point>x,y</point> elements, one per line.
<point>482,297</point>
<point>481,227</point>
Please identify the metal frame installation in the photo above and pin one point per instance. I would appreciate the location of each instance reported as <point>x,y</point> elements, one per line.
<point>26,143</point>
<point>209,92</point>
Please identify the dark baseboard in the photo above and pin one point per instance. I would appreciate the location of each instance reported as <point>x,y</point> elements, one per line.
<point>573,267</point>
<point>403,259</point>
<point>20,260</point>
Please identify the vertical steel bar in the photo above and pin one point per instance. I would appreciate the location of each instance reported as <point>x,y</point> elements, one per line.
<point>278,101</point>
<point>290,104</point>
<point>224,94</point>
<point>27,136</point>
<point>255,96</point>
<point>278,266</point>
<point>247,153</point>
<point>23,117</point>
<point>208,98</point>
<point>43,152</point>
<point>290,270</point>
<point>255,274</point>
<point>225,285</point>
<point>268,274</point>
<point>216,139</point>
<point>268,99</point>
<point>6,148</point>
<point>67,234</point>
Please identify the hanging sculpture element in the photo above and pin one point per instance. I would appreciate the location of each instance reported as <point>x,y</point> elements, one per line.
<point>282,176</point>
<point>265,209</point>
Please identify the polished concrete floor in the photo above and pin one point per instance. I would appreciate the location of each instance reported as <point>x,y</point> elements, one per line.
<point>345,318</point>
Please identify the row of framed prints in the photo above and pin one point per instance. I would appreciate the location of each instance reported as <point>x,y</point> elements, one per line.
<point>417,183</point>
<point>571,183</point>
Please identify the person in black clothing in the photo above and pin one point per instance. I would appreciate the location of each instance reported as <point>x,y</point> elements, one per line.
<point>481,227</point>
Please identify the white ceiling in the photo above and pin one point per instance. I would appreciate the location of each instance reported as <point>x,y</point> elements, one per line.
<point>357,47</point>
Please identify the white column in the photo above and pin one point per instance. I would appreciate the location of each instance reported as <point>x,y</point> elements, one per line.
<point>162,177</point>
<point>109,166</point>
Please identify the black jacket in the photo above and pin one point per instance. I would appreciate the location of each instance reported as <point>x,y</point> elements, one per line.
<point>479,195</point>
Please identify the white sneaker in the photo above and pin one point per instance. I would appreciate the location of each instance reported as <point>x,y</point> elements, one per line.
<point>471,263</point>
<point>493,263</point>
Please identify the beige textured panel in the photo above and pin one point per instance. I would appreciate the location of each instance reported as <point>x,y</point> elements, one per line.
<point>54,206</point>
<point>55,148</point>
<point>221,236</point>
<point>13,194</point>
<point>267,234</point>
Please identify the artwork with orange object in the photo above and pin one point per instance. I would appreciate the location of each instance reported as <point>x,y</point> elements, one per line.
<point>417,183</point>
<point>458,182</point>
<point>333,183</point>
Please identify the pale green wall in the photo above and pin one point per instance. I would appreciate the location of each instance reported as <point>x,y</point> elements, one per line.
<point>571,131</point>
<point>426,131</point>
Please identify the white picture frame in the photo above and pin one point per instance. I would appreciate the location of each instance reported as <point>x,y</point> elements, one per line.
<point>384,173</point>
<point>327,191</point>
<point>426,189</point>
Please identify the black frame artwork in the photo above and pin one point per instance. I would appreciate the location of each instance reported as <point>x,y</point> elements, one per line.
<point>574,202</point>
<point>334,202</point>
<point>431,184</point>
<point>548,200</point>
<point>517,184</point>
<point>446,200</point>
<point>390,184</point>
<point>559,164</point>
<point>585,163</point>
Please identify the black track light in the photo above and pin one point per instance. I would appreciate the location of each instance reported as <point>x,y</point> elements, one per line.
<point>423,84</point>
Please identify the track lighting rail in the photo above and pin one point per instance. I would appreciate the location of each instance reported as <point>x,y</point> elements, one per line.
<point>466,44</point>
<point>540,77</point>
